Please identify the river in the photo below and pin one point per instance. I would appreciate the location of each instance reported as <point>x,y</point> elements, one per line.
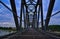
<point>4,32</point>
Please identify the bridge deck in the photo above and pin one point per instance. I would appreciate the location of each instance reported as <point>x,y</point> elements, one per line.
<point>29,34</point>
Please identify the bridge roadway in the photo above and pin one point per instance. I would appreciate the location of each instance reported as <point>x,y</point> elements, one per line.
<point>29,34</point>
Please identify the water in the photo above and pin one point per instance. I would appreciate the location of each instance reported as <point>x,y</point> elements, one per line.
<point>4,32</point>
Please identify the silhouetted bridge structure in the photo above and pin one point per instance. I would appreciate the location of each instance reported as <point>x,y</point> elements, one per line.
<point>31,11</point>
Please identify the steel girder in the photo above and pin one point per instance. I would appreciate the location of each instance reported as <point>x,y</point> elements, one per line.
<point>12,2</point>
<point>49,12</point>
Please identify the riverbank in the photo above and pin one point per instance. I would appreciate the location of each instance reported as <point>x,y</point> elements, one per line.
<point>7,28</point>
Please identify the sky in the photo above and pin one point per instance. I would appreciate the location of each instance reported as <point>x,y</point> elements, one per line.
<point>7,20</point>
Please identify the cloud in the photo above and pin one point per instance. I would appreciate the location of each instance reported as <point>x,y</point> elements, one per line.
<point>6,2</point>
<point>7,24</point>
<point>18,6</point>
<point>55,9</point>
<point>55,20</point>
<point>6,17</point>
<point>45,5</point>
<point>56,6</point>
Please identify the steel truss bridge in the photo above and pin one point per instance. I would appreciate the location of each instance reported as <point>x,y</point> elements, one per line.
<point>31,12</point>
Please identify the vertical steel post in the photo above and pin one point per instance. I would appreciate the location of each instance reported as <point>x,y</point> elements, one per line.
<point>24,17</point>
<point>21,14</point>
<point>38,16</point>
<point>42,15</point>
<point>39,4</point>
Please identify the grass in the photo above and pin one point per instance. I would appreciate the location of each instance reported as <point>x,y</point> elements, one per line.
<point>54,27</point>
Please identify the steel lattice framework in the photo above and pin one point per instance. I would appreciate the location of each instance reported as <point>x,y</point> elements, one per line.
<point>31,15</point>
<point>31,11</point>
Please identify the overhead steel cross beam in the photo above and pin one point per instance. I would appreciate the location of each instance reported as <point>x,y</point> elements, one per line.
<point>50,8</point>
<point>12,2</point>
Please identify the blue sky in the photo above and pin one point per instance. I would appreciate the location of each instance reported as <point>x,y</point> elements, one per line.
<point>6,17</point>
